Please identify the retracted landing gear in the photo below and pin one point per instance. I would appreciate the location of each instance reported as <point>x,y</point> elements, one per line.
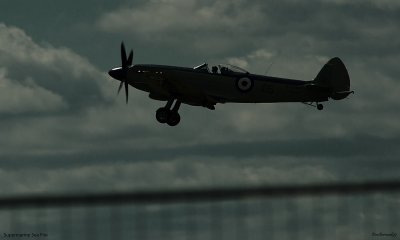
<point>168,115</point>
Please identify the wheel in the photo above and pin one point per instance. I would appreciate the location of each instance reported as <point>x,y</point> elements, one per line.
<point>162,115</point>
<point>320,106</point>
<point>174,118</point>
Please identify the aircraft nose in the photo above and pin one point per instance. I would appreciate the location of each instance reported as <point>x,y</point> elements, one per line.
<point>116,73</point>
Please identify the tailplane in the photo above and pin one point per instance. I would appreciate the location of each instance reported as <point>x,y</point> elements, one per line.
<point>334,77</point>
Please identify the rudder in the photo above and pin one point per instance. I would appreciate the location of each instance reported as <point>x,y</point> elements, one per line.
<point>335,77</point>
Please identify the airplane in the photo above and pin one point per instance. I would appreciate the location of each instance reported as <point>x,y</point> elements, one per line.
<point>200,86</point>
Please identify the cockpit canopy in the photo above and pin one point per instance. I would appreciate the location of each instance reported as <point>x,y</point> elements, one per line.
<point>228,68</point>
<point>223,69</point>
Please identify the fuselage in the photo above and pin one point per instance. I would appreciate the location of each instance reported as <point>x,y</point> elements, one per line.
<point>198,87</point>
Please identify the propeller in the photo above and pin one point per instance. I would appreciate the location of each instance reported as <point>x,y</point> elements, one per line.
<point>122,72</point>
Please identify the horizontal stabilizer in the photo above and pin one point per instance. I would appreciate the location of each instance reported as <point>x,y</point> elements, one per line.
<point>341,95</point>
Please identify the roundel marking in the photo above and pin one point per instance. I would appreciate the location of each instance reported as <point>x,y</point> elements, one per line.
<point>244,84</point>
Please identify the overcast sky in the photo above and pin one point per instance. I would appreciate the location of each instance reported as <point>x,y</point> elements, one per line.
<point>63,127</point>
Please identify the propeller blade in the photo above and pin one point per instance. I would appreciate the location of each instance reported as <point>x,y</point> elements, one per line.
<point>126,90</point>
<point>120,86</point>
<point>123,56</point>
<point>126,62</point>
<point>130,58</point>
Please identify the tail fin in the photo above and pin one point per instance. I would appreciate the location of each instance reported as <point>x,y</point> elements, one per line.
<point>335,77</point>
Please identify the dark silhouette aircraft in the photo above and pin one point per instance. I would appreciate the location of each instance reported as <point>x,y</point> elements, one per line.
<point>201,86</point>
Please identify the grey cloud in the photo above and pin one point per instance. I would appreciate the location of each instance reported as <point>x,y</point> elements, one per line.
<point>299,37</point>
<point>320,150</point>
<point>384,4</point>
<point>256,23</point>
<point>60,71</point>
<point>206,26</point>
<point>77,139</point>
<point>23,97</point>
<point>180,16</point>
<point>187,172</point>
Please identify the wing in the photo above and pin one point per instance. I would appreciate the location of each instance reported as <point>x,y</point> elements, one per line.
<point>190,87</point>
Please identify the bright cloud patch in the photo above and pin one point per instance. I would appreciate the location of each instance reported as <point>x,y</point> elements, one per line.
<point>204,26</point>
<point>180,16</point>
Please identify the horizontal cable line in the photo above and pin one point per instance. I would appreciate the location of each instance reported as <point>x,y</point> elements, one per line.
<point>198,195</point>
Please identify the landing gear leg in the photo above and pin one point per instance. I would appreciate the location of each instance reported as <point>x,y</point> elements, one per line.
<point>174,118</point>
<point>177,106</point>
<point>169,104</point>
